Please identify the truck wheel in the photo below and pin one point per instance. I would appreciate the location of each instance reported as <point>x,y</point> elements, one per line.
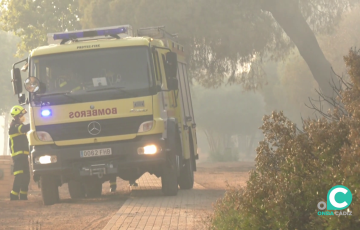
<point>93,189</point>
<point>186,179</point>
<point>49,190</point>
<point>76,189</point>
<point>169,178</point>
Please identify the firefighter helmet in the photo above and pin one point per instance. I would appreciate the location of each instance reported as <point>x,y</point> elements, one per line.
<point>17,111</point>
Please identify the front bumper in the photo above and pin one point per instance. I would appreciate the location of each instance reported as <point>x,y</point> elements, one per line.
<point>124,158</point>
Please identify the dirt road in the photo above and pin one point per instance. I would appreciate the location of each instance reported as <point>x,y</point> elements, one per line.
<point>97,213</point>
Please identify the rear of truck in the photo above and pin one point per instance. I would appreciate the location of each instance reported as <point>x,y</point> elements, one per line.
<point>111,120</point>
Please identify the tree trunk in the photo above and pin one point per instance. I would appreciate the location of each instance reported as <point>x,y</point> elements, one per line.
<point>287,13</point>
<point>250,149</point>
<point>208,138</point>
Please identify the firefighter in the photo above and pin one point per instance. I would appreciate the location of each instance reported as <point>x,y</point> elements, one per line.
<point>19,146</point>
<point>112,182</point>
<point>133,183</point>
<point>68,82</point>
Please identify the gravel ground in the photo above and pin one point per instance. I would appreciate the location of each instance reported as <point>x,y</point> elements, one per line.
<point>95,213</point>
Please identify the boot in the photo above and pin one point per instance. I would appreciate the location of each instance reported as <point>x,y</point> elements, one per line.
<point>133,183</point>
<point>113,188</point>
<point>13,196</point>
<point>23,197</point>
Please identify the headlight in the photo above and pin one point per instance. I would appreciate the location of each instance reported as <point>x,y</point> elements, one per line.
<point>148,150</point>
<point>146,126</point>
<point>45,160</point>
<point>44,136</point>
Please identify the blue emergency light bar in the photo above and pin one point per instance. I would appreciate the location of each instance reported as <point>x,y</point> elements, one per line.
<point>89,33</point>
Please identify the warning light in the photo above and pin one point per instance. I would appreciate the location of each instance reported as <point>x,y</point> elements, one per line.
<point>46,112</point>
<point>91,33</point>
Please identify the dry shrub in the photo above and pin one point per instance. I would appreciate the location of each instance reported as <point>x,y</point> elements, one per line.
<point>295,170</point>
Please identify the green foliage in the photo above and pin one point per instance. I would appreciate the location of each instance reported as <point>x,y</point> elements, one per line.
<point>290,83</point>
<point>32,20</point>
<point>295,170</point>
<point>219,38</point>
<point>295,84</point>
<point>203,27</point>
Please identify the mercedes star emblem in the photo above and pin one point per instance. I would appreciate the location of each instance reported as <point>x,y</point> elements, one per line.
<point>94,128</point>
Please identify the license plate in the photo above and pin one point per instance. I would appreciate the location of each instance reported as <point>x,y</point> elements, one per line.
<point>95,152</point>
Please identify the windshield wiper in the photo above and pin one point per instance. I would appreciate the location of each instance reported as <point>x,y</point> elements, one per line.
<point>52,94</point>
<point>112,88</point>
<point>62,93</point>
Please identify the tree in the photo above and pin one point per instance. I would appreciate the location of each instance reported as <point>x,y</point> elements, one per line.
<point>344,36</point>
<point>295,170</point>
<point>291,15</point>
<point>227,112</point>
<point>208,29</point>
<point>290,82</point>
<point>222,38</point>
<point>32,20</point>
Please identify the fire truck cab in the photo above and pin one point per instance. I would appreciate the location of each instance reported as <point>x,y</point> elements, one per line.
<point>103,104</point>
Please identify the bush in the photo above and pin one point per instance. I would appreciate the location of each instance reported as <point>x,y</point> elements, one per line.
<point>295,170</point>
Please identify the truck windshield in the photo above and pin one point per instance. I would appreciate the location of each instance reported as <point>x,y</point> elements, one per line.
<point>86,75</point>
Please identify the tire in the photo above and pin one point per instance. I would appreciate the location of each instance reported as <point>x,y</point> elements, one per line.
<point>186,179</point>
<point>169,178</point>
<point>76,189</point>
<point>171,169</point>
<point>93,189</point>
<point>49,190</point>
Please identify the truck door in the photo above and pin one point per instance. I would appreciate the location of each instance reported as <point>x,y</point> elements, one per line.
<point>186,104</point>
<point>190,119</point>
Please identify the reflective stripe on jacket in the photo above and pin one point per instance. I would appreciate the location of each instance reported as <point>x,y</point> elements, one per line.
<point>63,84</point>
<point>18,141</point>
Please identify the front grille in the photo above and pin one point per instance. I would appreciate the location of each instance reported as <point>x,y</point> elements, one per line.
<point>109,127</point>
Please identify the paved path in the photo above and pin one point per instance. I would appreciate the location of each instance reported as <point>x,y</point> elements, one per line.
<point>148,209</point>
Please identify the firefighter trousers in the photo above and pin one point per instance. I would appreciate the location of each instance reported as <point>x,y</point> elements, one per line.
<point>22,175</point>
<point>112,182</point>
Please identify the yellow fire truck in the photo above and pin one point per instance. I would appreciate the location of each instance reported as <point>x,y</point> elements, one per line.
<point>104,103</point>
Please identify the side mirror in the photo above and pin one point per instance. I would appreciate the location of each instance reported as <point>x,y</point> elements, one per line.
<point>171,65</point>
<point>172,83</point>
<point>16,80</point>
<point>32,84</point>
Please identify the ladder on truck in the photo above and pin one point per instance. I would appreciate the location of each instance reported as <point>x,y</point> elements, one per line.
<point>159,32</point>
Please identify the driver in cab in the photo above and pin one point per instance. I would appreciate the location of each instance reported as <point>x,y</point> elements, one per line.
<point>68,82</point>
